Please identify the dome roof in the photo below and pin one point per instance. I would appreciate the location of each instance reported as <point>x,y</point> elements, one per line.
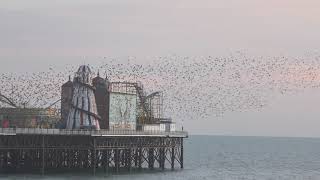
<point>68,84</point>
<point>83,74</point>
<point>98,80</point>
<point>84,69</point>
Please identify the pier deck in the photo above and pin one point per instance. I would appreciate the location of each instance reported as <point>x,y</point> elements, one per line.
<point>46,150</point>
<point>26,131</point>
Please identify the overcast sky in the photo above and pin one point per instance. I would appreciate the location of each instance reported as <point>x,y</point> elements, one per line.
<point>35,33</point>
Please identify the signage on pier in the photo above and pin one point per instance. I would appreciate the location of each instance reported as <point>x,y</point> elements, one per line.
<point>123,111</point>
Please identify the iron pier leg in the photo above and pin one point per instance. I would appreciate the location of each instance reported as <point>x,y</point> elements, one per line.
<point>125,158</point>
<point>162,158</point>
<point>136,157</point>
<point>172,158</point>
<point>94,156</point>
<point>43,161</point>
<point>116,160</point>
<point>181,154</point>
<point>129,158</point>
<point>107,161</point>
<point>151,158</point>
<point>140,158</point>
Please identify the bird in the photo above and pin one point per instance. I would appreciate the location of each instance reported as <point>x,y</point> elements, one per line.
<point>193,88</point>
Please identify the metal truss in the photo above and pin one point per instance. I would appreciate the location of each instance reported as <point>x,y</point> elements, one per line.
<point>55,153</point>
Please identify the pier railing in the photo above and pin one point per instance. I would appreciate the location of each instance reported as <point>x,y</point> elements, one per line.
<point>15,131</point>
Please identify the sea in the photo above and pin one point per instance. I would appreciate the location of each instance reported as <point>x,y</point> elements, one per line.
<point>228,158</point>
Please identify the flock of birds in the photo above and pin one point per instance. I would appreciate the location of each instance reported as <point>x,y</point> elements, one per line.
<point>193,87</point>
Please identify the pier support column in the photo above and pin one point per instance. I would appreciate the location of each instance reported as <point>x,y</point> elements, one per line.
<point>172,158</point>
<point>117,160</point>
<point>140,158</point>
<point>94,156</point>
<point>163,158</point>
<point>107,160</point>
<point>2,161</point>
<point>136,157</point>
<point>151,158</point>
<point>181,153</point>
<point>129,159</point>
<point>43,160</point>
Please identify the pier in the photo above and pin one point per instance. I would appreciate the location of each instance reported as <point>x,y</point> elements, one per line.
<point>100,126</point>
<point>31,150</point>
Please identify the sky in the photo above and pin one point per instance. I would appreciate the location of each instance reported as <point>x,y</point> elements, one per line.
<point>37,33</point>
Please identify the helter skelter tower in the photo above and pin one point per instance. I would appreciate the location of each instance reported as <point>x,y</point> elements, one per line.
<point>83,113</point>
